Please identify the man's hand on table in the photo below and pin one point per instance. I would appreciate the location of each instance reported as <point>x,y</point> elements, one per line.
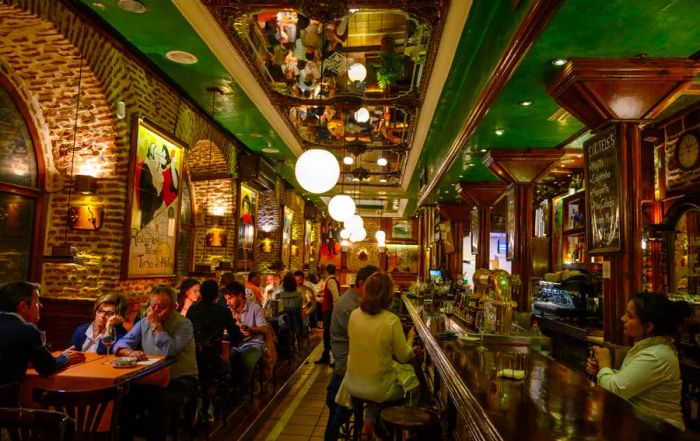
<point>73,356</point>
<point>138,355</point>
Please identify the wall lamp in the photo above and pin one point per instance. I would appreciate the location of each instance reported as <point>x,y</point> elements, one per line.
<point>85,184</point>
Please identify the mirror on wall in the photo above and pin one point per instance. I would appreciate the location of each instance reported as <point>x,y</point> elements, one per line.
<point>686,255</point>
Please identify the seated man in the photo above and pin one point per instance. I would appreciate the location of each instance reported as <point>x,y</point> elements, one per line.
<point>163,332</point>
<point>252,322</point>
<point>21,342</point>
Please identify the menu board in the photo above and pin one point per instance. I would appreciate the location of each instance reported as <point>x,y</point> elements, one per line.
<point>602,159</point>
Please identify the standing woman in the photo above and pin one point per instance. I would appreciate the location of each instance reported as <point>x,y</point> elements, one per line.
<point>108,313</point>
<point>649,377</point>
<point>293,301</point>
<point>188,296</point>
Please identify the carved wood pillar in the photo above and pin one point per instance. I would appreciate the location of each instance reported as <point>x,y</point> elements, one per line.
<point>522,169</point>
<point>483,195</point>
<point>458,216</point>
<point>627,92</point>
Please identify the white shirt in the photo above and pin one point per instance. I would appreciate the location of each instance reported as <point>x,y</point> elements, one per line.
<point>92,340</point>
<point>375,340</point>
<point>650,379</point>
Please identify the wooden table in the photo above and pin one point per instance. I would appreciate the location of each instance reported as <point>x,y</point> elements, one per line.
<point>553,402</point>
<point>93,373</point>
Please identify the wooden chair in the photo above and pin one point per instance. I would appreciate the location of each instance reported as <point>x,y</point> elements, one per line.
<point>9,395</point>
<point>35,425</point>
<point>87,408</point>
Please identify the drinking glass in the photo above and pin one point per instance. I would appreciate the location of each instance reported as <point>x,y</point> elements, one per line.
<point>480,324</point>
<point>108,338</point>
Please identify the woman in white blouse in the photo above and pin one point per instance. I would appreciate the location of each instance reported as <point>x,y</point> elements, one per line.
<point>377,367</point>
<point>649,377</point>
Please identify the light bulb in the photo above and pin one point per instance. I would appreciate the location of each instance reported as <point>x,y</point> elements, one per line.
<point>348,160</point>
<point>362,115</point>
<point>380,236</point>
<point>354,223</point>
<point>382,161</point>
<point>317,171</point>
<point>341,207</point>
<point>345,234</point>
<point>357,72</point>
<point>358,235</point>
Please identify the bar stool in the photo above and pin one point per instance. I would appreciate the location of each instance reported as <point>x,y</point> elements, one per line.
<point>358,407</point>
<point>403,422</point>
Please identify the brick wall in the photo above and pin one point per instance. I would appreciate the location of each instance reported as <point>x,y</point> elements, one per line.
<point>215,198</point>
<point>269,229</point>
<point>43,41</point>
<point>296,204</point>
<point>369,245</point>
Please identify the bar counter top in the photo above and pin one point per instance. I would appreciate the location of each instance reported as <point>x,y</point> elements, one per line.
<point>552,402</point>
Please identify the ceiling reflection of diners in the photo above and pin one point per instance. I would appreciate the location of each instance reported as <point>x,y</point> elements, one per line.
<point>345,77</point>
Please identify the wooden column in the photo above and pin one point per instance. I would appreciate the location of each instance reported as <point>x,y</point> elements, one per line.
<point>522,169</point>
<point>482,195</point>
<point>458,216</point>
<point>626,92</point>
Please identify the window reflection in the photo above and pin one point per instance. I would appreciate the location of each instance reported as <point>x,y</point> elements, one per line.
<point>17,156</point>
<point>16,227</point>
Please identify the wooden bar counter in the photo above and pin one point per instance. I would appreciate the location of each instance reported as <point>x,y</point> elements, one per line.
<point>552,402</point>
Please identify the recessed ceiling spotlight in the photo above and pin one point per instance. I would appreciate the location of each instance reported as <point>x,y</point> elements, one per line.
<point>181,57</point>
<point>483,150</point>
<point>525,103</point>
<point>499,132</point>
<point>470,165</point>
<point>99,5</point>
<point>559,62</point>
<point>255,135</point>
<point>353,10</point>
<point>381,192</point>
<point>270,150</point>
<point>382,180</point>
<point>348,160</point>
<point>133,6</point>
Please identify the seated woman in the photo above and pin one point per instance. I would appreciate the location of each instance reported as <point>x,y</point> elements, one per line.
<point>378,351</point>
<point>108,312</point>
<point>188,296</point>
<point>649,377</point>
<point>293,301</point>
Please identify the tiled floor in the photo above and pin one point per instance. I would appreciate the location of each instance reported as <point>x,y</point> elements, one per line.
<point>302,413</point>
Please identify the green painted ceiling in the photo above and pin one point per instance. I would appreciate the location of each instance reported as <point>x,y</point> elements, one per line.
<point>581,28</point>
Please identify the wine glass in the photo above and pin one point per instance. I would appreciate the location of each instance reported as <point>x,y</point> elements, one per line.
<point>480,324</point>
<point>108,338</point>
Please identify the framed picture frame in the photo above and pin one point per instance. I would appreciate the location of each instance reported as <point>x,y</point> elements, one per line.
<point>247,221</point>
<point>153,202</point>
<point>85,217</point>
<point>604,216</point>
<point>402,230</point>
<point>287,222</point>
<point>510,223</point>
<point>215,237</point>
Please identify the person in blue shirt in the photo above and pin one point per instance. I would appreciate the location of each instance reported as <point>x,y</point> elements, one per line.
<point>108,314</point>
<point>21,342</point>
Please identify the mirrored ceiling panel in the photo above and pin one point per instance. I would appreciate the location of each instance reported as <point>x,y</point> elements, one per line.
<point>367,53</point>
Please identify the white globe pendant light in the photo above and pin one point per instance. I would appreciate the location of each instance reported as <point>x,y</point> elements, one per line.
<point>341,207</point>
<point>382,161</point>
<point>357,72</point>
<point>380,236</point>
<point>362,115</point>
<point>345,234</point>
<point>354,223</point>
<point>358,235</point>
<point>317,171</point>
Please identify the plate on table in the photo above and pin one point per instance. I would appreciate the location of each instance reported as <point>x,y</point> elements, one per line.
<point>124,362</point>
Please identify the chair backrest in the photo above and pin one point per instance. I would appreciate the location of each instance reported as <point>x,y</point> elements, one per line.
<point>9,395</point>
<point>35,425</point>
<point>86,407</point>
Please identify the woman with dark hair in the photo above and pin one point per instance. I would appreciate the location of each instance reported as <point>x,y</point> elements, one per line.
<point>189,295</point>
<point>293,301</point>
<point>377,368</point>
<point>108,310</point>
<point>649,377</point>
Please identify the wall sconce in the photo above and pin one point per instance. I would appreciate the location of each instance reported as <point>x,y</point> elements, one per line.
<point>85,184</point>
<point>217,221</point>
<point>121,110</point>
<point>266,245</point>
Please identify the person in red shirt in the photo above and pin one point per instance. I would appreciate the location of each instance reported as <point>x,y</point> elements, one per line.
<point>254,281</point>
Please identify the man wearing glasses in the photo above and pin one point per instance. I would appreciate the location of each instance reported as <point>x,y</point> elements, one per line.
<point>164,331</point>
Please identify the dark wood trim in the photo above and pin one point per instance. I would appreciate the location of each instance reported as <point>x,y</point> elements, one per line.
<point>198,177</point>
<point>38,193</point>
<point>533,25</point>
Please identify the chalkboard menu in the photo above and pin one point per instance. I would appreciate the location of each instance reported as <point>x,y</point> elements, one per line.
<point>602,158</point>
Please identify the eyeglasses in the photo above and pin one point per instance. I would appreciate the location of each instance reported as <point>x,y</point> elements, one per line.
<point>107,313</point>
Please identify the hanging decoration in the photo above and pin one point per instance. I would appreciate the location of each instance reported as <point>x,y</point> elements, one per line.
<point>317,171</point>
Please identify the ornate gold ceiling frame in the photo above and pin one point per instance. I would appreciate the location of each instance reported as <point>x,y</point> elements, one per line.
<point>430,12</point>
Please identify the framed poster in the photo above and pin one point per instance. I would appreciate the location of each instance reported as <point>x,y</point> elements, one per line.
<point>154,193</point>
<point>287,219</point>
<point>402,258</point>
<point>603,214</point>
<point>401,228</point>
<point>308,249</point>
<point>215,237</point>
<point>247,215</point>
<point>446,235</point>
<point>85,217</point>
<point>474,230</point>
<point>510,223</point>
